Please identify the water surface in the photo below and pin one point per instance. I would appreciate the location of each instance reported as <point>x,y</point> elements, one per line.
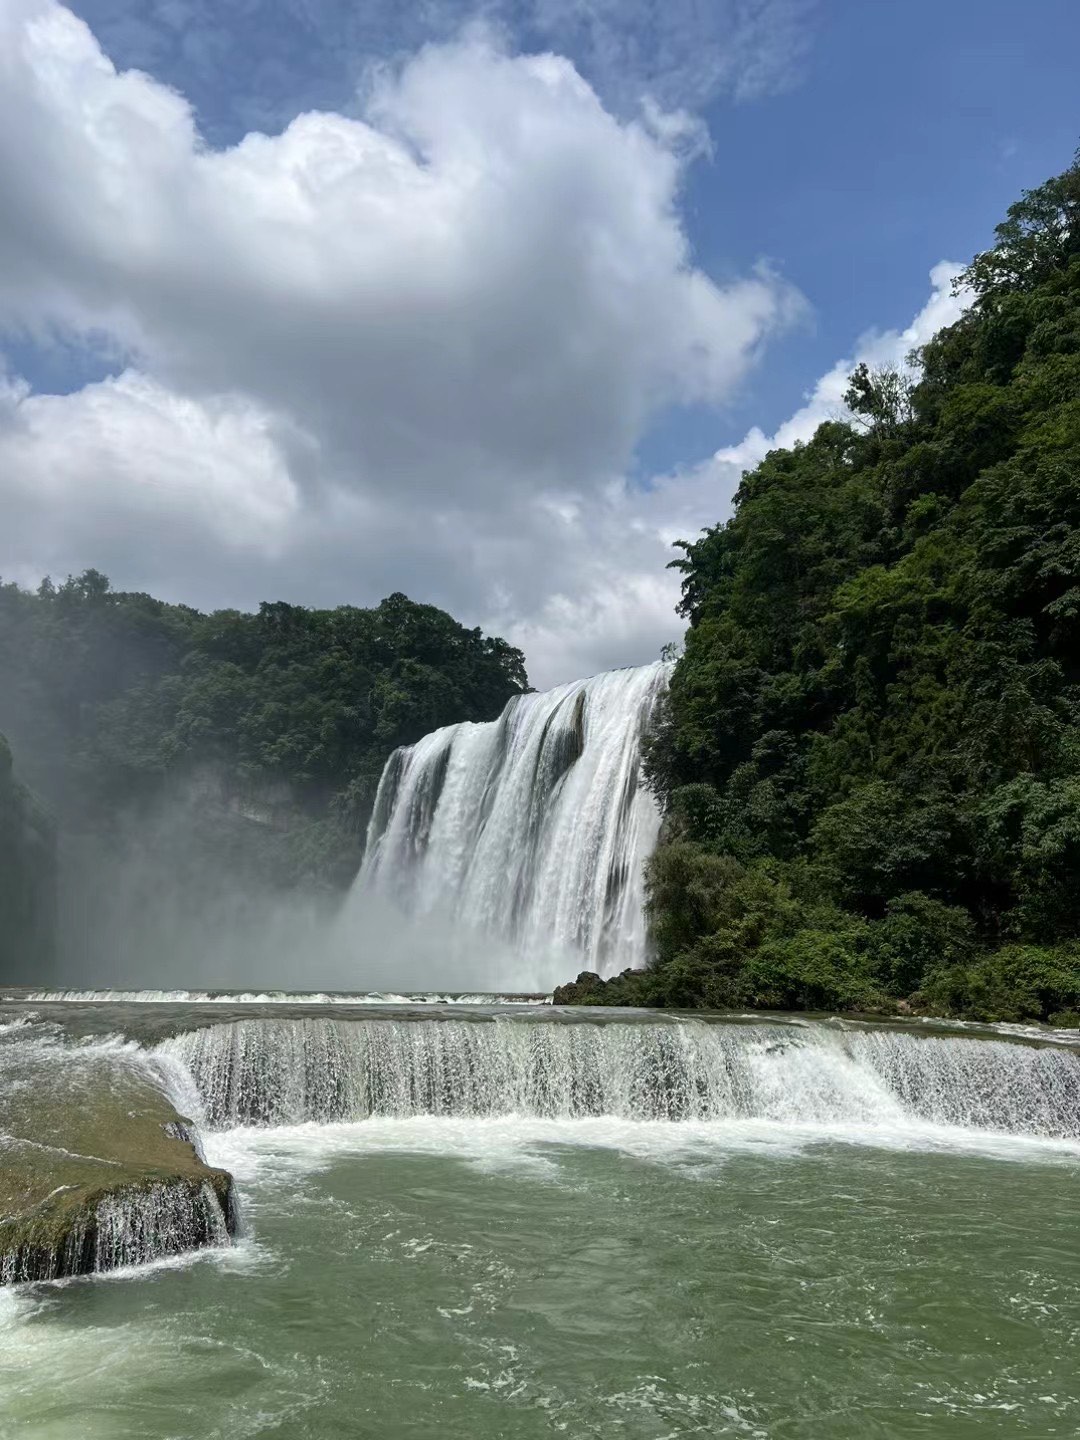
<point>831,1276</point>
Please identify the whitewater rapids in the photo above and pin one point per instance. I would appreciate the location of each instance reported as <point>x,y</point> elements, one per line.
<point>500,1084</point>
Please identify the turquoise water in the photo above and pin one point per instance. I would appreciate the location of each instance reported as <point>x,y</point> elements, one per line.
<point>639,1281</point>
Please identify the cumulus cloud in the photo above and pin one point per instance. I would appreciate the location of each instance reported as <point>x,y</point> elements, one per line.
<point>390,351</point>
<point>84,473</point>
<point>488,253</point>
<point>412,348</point>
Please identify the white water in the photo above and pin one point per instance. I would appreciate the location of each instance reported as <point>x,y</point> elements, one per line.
<point>532,831</point>
<point>296,1091</point>
<point>126,1229</point>
<point>267,997</point>
<point>627,1278</point>
<point>288,1072</point>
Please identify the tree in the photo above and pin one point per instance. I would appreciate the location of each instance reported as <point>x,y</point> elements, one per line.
<point>871,741</point>
<point>115,697</point>
<point>881,398</point>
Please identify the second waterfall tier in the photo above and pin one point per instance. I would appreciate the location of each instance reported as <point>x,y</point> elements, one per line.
<point>880,1082</point>
<point>532,830</point>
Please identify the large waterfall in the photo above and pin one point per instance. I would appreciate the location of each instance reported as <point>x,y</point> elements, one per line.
<point>282,1072</point>
<point>532,830</point>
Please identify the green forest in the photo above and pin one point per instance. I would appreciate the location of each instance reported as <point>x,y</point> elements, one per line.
<point>870,756</point>
<point>259,737</point>
<point>111,693</point>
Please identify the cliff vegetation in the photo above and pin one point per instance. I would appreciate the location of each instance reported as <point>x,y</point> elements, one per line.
<point>870,756</point>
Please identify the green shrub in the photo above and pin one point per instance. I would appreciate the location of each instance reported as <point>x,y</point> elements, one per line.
<point>1019,982</point>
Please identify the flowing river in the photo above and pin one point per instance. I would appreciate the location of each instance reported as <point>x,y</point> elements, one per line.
<point>467,1220</point>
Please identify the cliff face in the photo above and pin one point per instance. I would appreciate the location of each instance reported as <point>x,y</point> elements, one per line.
<point>27,879</point>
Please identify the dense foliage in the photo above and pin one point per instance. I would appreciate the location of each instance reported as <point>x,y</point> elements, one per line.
<point>870,759</point>
<point>27,875</point>
<point>289,714</point>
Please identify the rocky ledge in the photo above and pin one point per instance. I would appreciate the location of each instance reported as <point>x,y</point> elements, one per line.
<point>97,1168</point>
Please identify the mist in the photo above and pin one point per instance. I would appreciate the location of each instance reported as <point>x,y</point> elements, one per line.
<point>174,901</point>
<point>206,781</point>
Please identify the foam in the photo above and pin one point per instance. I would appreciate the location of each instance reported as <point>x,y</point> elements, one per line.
<point>532,1144</point>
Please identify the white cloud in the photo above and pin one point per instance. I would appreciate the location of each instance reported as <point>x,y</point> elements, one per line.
<point>878,349</point>
<point>490,252</point>
<point>413,350</point>
<point>128,461</point>
<point>363,354</point>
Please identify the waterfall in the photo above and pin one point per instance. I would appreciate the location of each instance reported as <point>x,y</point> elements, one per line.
<point>532,829</point>
<point>280,1072</point>
<point>163,1219</point>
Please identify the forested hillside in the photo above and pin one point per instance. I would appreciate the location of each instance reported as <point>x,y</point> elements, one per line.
<point>210,760</point>
<point>870,759</point>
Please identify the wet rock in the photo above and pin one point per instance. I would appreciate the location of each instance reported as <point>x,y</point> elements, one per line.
<point>97,1168</point>
<point>579,991</point>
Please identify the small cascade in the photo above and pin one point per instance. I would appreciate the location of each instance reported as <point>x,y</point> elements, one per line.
<point>98,1169</point>
<point>168,1218</point>
<point>274,1072</point>
<point>532,830</point>
<point>127,1227</point>
<point>270,997</point>
<point>282,1072</point>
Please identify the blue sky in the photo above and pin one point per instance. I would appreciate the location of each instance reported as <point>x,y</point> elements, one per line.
<point>783,177</point>
<point>911,129</point>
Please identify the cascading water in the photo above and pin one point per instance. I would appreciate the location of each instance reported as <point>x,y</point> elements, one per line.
<point>280,1072</point>
<point>130,1227</point>
<point>163,1219</point>
<point>265,997</point>
<point>481,1222</point>
<point>101,1171</point>
<point>532,829</point>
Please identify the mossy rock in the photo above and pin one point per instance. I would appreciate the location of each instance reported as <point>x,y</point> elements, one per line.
<point>97,1167</point>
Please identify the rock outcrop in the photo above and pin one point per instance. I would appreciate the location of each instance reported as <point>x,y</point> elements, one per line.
<point>588,989</point>
<point>98,1170</point>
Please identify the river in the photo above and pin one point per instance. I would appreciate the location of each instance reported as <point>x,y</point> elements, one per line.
<point>487,1221</point>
